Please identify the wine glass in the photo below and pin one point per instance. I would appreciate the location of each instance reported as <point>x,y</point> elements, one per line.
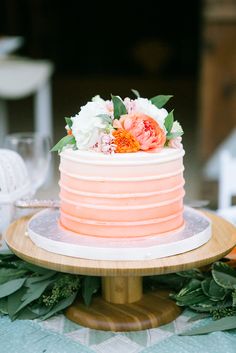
<point>35,151</point>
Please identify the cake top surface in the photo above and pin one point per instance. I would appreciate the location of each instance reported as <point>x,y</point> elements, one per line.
<point>140,157</point>
<point>122,127</point>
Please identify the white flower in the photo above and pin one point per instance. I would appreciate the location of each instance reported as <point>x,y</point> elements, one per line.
<point>145,106</point>
<point>177,128</point>
<point>87,125</point>
<point>97,98</point>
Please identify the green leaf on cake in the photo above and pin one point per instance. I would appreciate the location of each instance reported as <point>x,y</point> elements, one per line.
<point>119,107</point>
<point>69,122</point>
<point>169,121</point>
<point>136,93</point>
<point>160,101</point>
<point>66,140</point>
<point>173,135</point>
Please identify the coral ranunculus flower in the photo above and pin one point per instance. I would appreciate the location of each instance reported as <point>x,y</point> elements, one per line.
<point>144,129</point>
<point>125,142</point>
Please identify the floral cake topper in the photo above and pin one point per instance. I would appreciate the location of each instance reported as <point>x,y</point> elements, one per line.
<point>122,126</point>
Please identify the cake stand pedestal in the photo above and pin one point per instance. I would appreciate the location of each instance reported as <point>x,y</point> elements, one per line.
<point>123,306</point>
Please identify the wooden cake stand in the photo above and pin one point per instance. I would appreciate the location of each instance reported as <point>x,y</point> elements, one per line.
<point>123,306</point>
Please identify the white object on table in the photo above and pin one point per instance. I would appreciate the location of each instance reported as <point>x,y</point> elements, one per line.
<point>35,151</point>
<point>10,44</point>
<point>14,184</point>
<point>21,77</point>
<point>227,186</point>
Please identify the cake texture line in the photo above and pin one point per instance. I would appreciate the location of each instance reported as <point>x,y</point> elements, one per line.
<point>112,195</point>
<point>124,206</point>
<point>111,179</point>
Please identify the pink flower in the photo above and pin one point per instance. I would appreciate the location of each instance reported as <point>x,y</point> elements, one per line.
<point>130,105</point>
<point>145,130</point>
<point>176,143</point>
<point>107,145</point>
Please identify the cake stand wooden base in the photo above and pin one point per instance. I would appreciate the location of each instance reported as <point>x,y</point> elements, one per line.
<point>123,306</point>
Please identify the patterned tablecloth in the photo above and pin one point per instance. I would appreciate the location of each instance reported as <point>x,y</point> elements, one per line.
<point>59,335</point>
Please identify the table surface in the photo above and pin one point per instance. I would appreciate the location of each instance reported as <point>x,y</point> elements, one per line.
<point>222,241</point>
<point>60,335</point>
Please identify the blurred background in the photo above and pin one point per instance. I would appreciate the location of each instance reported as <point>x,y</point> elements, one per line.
<point>83,48</point>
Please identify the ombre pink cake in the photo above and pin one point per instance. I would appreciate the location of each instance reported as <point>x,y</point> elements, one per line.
<point>122,169</point>
<point>123,194</point>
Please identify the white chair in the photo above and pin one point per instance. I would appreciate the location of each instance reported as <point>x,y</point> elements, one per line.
<point>227,186</point>
<point>19,78</point>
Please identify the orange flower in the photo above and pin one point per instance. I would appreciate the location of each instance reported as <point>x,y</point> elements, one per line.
<point>125,142</point>
<point>145,130</point>
<point>69,132</point>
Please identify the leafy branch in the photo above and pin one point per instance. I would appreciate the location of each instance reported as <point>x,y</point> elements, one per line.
<point>28,291</point>
<point>210,293</point>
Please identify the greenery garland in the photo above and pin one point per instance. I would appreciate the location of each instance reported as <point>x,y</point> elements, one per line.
<point>29,292</point>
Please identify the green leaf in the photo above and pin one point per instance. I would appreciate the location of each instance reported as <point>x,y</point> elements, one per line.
<point>190,287</point>
<point>33,268</point>
<point>14,301</point>
<point>40,309</point>
<point>7,274</point>
<point>216,292</point>
<point>90,286</point>
<point>197,317</point>
<point>234,298</point>
<point>224,275</point>
<point>160,101</point>
<point>3,306</point>
<point>33,293</point>
<point>136,93</point>
<point>10,262</point>
<point>169,121</point>
<point>206,305</point>
<point>171,280</point>
<point>26,314</point>
<point>173,135</point>
<point>213,290</point>
<point>69,122</point>
<point>63,304</point>
<point>193,273</point>
<point>119,107</point>
<point>37,279</point>
<point>192,298</point>
<point>66,140</point>
<point>227,323</point>
<point>11,287</point>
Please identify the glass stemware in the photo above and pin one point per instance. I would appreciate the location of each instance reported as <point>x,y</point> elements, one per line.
<point>35,151</point>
